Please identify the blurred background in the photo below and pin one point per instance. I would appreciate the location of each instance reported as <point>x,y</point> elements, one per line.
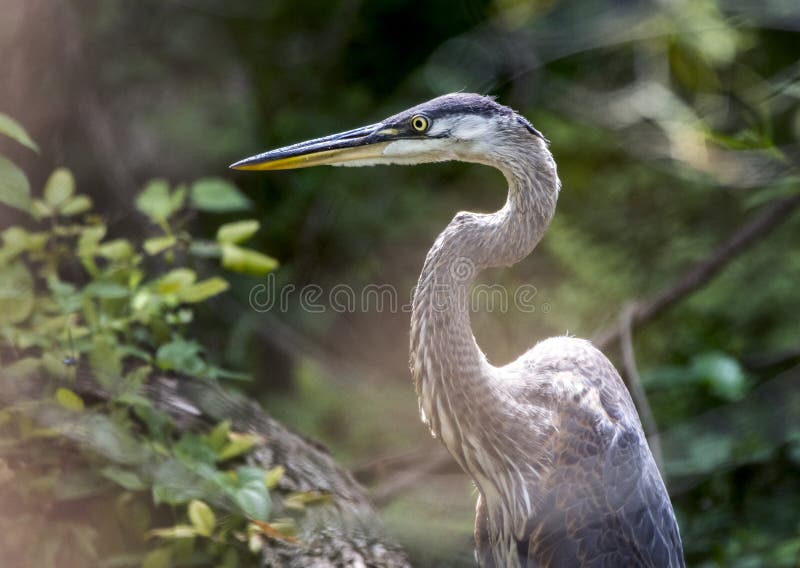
<point>675,126</point>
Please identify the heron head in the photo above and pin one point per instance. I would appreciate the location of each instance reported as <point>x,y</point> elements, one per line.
<point>459,126</point>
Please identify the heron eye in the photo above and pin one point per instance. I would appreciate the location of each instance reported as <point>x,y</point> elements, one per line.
<point>420,123</point>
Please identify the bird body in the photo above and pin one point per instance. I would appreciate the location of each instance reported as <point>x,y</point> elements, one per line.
<point>552,440</point>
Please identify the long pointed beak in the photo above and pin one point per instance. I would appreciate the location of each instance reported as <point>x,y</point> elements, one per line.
<point>365,143</point>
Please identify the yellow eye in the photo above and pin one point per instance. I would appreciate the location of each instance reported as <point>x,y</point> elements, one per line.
<point>420,123</point>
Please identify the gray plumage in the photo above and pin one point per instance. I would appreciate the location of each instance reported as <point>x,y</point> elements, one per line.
<point>552,440</point>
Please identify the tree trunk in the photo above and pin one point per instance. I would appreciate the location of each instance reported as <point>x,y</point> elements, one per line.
<point>346,532</point>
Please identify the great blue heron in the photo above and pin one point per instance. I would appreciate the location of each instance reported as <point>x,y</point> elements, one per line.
<point>552,440</point>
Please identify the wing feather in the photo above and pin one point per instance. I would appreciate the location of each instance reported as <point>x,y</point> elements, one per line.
<point>604,502</point>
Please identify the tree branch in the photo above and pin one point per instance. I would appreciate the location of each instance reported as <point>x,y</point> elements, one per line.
<point>345,532</point>
<point>770,217</point>
<point>631,375</point>
<point>401,481</point>
<point>770,360</point>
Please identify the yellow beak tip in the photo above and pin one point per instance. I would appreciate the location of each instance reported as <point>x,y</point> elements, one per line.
<point>283,160</point>
<point>242,165</point>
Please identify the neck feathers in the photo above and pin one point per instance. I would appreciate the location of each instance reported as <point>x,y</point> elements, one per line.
<point>451,374</point>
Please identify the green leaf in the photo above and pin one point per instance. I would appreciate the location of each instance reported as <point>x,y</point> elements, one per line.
<point>40,209</point>
<point>298,501</point>
<point>218,196</point>
<point>175,280</point>
<point>251,495</point>
<point>722,374</point>
<point>247,261</point>
<point>203,290</point>
<point>744,140</point>
<point>16,294</point>
<point>240,231</point>
<point>159,244</point>
<point>287,527</point>
<point>118,249</point>
<point>274,476</point>
<point>124,478</point>
<point>15,190</point>
<point>59,187</point>
<point>90,238</point>
<point>69,400</point>
<point>15,131</point>
<point>155,201</point>
<point>238,444</point>
<point>218,437</point>
<point>180,354</point>
<point>253,502</point>
<point>194,449</point>
<point>15,240</point>
<point>156,420</point>
<point>76,205</point>
<point>181,317</point>
<point>178,531</point>
<point>202,518</point>
<point>65,295</point>
<point>105,289</point>
<point>177,198</point>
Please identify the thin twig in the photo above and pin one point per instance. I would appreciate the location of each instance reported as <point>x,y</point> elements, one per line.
<point>404,479</point>
<point>700,274</point>
<point>631,376</point>
<point>379,469</point>
<point>768,361</point>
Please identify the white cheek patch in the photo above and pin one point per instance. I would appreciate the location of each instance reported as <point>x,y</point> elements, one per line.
<point>416,151</point>
<point>361,163</point>
<point>469,127</point>
<point>406,148</point>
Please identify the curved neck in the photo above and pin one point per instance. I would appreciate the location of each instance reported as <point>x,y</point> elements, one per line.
<point>451,374</point>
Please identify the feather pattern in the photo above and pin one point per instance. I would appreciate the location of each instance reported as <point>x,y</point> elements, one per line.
<point>552,440</point>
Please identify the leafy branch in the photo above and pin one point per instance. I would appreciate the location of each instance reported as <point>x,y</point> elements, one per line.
<point>86,333</point>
